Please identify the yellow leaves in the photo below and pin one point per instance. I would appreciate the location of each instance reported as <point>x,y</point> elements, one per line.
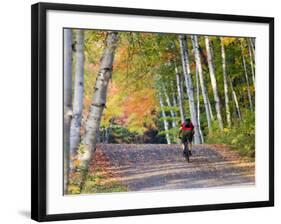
<point>73,189</point>
<point>228,40</point>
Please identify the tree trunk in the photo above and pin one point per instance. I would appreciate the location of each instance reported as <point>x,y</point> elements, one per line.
<point>201,79</point>
<point>214,82</point>
<point>198,106</point>
<point>234,96</point>
<point>78,96</point>
<point>166,125</point>
<point>189,86</point>
<point>225,84</point>
<point>210,108</point>
<point>175,103</point>
<point>67,68</point>
<point>180,95</point>
<point>170,105</point>
<point>247,79</point>
<point>99,98</point>
<point>251,62</point>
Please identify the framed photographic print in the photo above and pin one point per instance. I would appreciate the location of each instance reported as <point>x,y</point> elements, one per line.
<point>139,111</point>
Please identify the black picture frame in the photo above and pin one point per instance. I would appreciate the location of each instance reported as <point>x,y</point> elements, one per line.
<point>39,108</point>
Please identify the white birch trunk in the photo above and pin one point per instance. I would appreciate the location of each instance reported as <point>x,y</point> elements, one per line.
<point>247,79</point>
<point>189,86</point>
<point>198,107</point>
<point>99,98</point>
<point>166,125</point>
<point>67,68</point>
<point>234,96</point>
<point>214,82</point>
<point>175,103</point>
<point>225,84</point>
<point>170,105</point>
<point>201,79</point>
<point>78,96</point>
<point>210,108</point>
<point>178,79</point>
<point>251,62</point>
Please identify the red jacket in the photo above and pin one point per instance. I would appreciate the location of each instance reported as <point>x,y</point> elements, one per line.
<point>184,128</point>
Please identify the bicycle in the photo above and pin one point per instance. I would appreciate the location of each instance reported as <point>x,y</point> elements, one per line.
<point>186,152</point>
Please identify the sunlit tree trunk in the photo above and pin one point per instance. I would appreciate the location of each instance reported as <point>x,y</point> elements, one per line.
<point>225,84</point>
<point>247,79</point>
<point>166,125</point>
<point>251,61</point>
<point>78,96</point>
<point>189,86</point>
<point>178,79</point>
<point>201,79</point>
<point>170,105</point>
<point>198,106</point>
<point>99,98</point>
<point>67,68</point>
<point>214,82</point>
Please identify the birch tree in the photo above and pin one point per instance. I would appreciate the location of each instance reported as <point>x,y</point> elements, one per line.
<point>78,96</point>
<point>214,81</point>
<point>247,78</point>
<point>178,79</point>
<point>166,125</point>
<point>225,84</point>
<point>170,106</point>
<point>99,98</point>
<point>198,107</point>
<point>251,61</point>
<point>189,86</point>
<point>67,68</point>
<point>234,97</point>
<point>201,79</point>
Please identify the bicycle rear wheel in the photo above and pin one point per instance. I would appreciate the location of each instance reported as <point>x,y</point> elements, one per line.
<point>186,151</point>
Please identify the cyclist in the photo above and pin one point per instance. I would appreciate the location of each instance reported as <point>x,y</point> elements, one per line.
<point>186,134</point>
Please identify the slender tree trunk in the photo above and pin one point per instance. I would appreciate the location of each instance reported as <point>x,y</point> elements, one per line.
<point>234,96</point>
<point>78,97</point>
<point>214,82</point>
<point>252,45</point>
<point>175,103</point>
<point>201,79</point>
<point>189,86</point>
<point>99,98</point>
<point>251,62</point>
<point>67,67</point>
<point>170,105</point>
<point>198,106</point>
<point>166,125</point>
<point>210,108</point>
<point>247,79</point>
<point>178,79</point>
<point>227,109</point>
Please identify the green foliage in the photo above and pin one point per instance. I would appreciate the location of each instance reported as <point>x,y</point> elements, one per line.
<point>98,183</point>
<point>120,134</point>
<point>240,137</point>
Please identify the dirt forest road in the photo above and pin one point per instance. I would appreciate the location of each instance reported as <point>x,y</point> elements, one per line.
<point>157,167</point>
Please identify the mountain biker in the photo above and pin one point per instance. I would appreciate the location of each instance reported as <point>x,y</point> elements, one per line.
<point>186,134</point>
